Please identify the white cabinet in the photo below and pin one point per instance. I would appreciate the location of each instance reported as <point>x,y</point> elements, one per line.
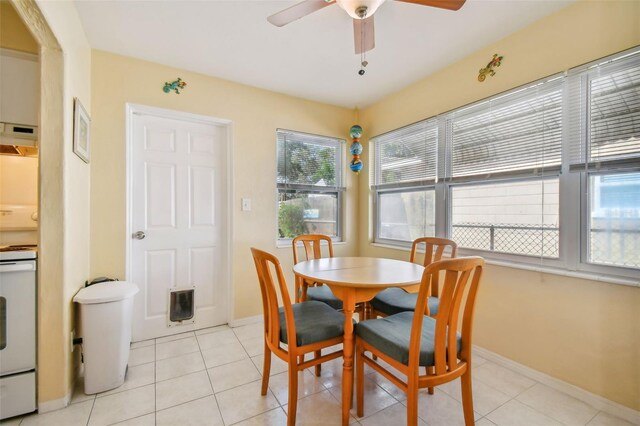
<point>19,87</point>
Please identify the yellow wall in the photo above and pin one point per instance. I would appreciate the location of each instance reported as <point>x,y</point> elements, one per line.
<point>255,113</point>
<point>13,33</point>
<point>580,331</point>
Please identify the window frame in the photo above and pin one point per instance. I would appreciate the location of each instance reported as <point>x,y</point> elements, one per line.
<point>583,264</point>
<point>581,169</point>
<point>403,190</point>
<point>337,190</point>
<point>428,125</point>
<point>573,250</point>
<point>516,258</point>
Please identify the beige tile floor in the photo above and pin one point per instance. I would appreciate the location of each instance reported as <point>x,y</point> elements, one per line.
<point>212,377</point>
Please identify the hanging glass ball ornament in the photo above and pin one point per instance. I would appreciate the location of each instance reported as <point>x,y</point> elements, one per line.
<point>356,148</point>
<point>355,132</point>
<point>356,165</point>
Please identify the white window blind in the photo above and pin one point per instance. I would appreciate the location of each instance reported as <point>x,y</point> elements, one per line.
<point>406,157</point>
<point>497,187</point>
<point>605,114</point>
<point>309,183</point>
<point>604,105</point>
<point>515,134</point>
<point>307,162</point>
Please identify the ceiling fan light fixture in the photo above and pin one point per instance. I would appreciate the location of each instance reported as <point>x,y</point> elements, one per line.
<point>355,7</point>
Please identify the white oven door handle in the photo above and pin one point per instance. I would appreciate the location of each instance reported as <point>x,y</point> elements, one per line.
<point>17,267</point>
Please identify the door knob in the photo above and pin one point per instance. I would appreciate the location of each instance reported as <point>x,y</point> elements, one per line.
<point>139,235</point>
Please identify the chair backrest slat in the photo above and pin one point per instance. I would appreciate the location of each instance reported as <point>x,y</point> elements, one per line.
<point>265,263</point>
<point>460,285</point>
<point>469,310</point>
<point>434,249</point>
<point>454,315</point>
<point>312,244</point>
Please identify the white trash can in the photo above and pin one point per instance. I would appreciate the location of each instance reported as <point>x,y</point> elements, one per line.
<point>105,317</point>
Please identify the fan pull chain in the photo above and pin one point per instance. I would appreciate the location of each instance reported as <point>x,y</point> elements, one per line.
<point>363,54</point>
<point>363,62</point>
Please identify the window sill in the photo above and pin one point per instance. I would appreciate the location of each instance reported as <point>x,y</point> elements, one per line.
<point>565,273</point>
<point>392,246</point>
<point>543,269</point>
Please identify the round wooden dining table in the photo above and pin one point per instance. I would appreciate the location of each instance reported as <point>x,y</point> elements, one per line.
<point>354,280</point>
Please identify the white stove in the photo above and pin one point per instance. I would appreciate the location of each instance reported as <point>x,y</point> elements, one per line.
<point>17,330</point>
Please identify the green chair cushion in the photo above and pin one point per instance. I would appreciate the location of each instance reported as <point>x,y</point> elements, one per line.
<point>391,336</point>
<point>395,300</point>
<point>315,322</point>
<point>322,293</point>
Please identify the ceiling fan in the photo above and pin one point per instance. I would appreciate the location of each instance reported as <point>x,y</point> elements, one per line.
<point>360,10</point>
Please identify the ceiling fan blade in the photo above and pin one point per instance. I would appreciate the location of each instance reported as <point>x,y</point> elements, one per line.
<point>297,11</point>
<point>364,34</point>
<point>442,4</point>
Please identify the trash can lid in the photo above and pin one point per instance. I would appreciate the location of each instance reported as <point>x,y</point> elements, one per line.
<point>110,291</point>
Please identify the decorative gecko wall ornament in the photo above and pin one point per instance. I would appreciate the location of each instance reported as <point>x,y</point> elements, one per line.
<point>489,69</point>
<point>174,85</point>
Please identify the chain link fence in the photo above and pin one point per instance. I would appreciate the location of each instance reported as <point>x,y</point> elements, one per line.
<point>615,247</point>
<point>509,238</point>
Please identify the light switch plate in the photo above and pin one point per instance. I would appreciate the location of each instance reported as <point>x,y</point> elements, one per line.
<point>246,204</point>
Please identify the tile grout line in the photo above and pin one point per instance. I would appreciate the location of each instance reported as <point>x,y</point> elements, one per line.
<point>376,412</point>
<point>498,407</point>
<point>548,415</point>
<point>213,392</point>
<point>155,383</point>
<point>529,406</point>
<point>253,417</point>
<point>511,398</point>
<point>592,417</point>
<point>93,404</point>
<point>261,377</point>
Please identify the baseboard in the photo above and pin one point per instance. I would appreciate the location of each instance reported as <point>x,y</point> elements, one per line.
<point>596,401</point>
<point>56,404</point>
<point>246,321</point>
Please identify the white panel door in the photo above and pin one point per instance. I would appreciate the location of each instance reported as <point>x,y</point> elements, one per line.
<point>179,238</point>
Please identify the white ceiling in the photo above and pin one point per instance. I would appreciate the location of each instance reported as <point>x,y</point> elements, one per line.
<point>312,58</point>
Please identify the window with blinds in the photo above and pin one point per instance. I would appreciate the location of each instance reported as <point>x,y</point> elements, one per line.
<point>508,151</point>
<point>309,184</point>
<point>407,156</point>
<point>605,101</point>
<point>500,175</point>
<point>404,172</point>
<point>308,161</point>
<point>605,104</point>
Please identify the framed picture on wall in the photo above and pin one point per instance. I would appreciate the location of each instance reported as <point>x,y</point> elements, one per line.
<point>81,131</point>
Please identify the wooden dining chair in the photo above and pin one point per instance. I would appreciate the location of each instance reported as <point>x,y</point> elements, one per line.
<point>310,290</point>
<point>394,300</point>
<point>410,340</point>
<point>303,327</point>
